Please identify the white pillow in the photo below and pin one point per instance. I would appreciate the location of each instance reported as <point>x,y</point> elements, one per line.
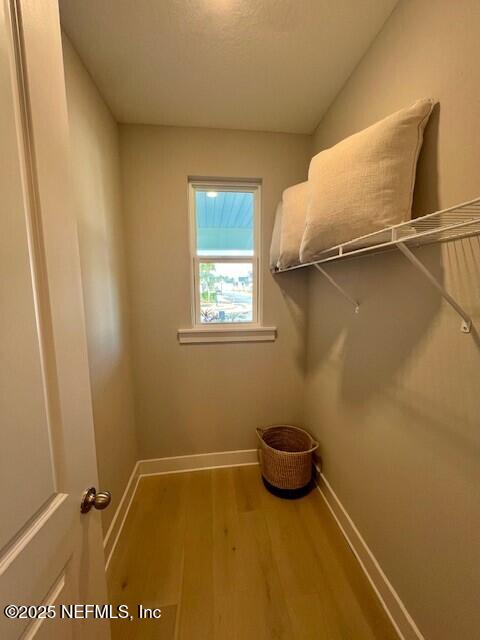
<point>276,234</point>
<point>364,183</point>
<point>294,211</point>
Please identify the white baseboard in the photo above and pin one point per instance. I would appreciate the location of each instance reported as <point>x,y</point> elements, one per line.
<point>116,525</point>
<point>161,466</point>
<point>158,466</point>
<point>394,607</point>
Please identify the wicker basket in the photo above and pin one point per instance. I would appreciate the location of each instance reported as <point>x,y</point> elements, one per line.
<point>286,456</point>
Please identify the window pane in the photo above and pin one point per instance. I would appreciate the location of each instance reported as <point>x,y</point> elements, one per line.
<point>224,222</point>
<point>226,292</point>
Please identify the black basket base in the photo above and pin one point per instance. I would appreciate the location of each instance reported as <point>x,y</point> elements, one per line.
<point>289,494</point>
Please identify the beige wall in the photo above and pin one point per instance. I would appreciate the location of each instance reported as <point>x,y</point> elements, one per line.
<point>394,393</point>
<point>200,398</point>
<point>96,170</point>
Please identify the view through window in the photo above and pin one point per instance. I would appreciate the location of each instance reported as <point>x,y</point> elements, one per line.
<point>225,253</point>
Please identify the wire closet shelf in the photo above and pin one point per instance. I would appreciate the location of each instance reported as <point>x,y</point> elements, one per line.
<point>460,221</point>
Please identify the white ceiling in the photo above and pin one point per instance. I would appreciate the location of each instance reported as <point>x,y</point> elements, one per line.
<point>272,65</point>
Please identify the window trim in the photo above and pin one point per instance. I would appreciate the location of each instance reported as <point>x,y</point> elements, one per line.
<point>220,328</point>
<point>200,335</point>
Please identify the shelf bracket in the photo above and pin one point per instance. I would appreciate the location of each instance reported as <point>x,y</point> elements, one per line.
<point>466,320</point>
<point>338,287</point>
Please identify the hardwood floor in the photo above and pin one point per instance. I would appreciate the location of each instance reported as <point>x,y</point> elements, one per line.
<point>226,560</point>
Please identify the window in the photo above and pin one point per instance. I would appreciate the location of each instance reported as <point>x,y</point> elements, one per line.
<point>225,232</point>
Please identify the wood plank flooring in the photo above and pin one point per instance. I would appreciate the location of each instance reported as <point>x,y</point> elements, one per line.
<point>226,560</point>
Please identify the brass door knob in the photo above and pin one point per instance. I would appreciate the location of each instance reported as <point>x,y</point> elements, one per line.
<point>91,498</point>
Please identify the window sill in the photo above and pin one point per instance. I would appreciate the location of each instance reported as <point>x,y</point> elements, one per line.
<point>199,335</point>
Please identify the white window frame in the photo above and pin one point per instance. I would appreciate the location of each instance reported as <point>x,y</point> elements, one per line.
<point>255,259</point>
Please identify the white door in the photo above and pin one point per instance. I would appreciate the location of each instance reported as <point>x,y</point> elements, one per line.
<point>49,552</point>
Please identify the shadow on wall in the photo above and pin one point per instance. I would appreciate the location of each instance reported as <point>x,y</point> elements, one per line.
<point>366,355</point>
<point>456,428</point>
<point>293,287</point>
<point>397,307</point>
<point>397,304</point>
